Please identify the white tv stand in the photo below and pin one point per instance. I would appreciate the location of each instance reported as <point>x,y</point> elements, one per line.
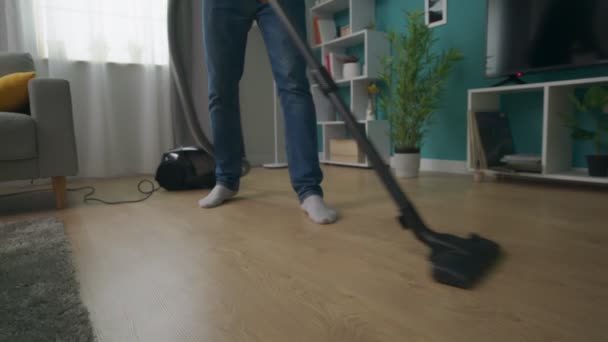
<point>556,140</point>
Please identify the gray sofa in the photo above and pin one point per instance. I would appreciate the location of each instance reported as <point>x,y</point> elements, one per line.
<point>39,143</point>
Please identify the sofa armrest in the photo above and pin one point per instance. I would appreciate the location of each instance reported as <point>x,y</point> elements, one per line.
<point>51,107</point>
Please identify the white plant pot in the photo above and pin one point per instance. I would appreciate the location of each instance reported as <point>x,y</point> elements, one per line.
<point>406,165</point>
<point>351,70</point>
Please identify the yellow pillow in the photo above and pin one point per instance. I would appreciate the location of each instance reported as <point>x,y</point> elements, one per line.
<point>13,91</point>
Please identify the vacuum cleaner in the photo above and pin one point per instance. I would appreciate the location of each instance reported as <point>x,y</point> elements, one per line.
<point>456,261</point>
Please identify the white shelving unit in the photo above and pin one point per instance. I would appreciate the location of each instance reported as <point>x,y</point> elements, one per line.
<point>556,140</point>
<point>375,45</point>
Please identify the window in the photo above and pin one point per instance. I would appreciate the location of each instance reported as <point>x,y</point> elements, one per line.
<point>120,31</point>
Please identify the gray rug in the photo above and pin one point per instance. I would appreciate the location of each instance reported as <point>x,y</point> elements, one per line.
<point>39,293</point>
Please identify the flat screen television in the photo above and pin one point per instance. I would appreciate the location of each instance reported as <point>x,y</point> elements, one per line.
<point>526,36</point>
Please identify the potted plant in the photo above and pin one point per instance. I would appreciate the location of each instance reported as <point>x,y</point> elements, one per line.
<point>414,75</point>
<point>593,106</point>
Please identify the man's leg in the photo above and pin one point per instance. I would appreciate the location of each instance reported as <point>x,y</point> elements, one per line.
<point>225,28</point>
<point>289,69</point>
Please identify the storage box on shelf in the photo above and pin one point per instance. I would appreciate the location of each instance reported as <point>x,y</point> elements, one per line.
<point>336,131</point>
<point>372,45</point>
<point>345,150</point>
<point>556,138</point>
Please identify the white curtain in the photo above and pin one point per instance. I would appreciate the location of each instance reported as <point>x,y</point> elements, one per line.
<point>115,55</point>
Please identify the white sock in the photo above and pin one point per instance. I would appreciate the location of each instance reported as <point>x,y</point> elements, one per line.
<point>318,211</point>
<point>216,197</point>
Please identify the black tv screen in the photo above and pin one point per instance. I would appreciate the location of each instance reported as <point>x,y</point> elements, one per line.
<point>526,36</point>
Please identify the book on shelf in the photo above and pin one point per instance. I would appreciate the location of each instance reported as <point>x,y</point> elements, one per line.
<point>324,30</point>
<point>328,64</point>
<point>522,158</point>
<point>523,162</point>
<point>477,151</point>
<point>493,146</point>
<point>335,66</point>
<point>316,32</point>
<point>495,136</point>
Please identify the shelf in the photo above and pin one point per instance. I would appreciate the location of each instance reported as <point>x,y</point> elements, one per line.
<point>344,163</point>
<point>570,176</point>
<point>363,78</point>
<point>358,78</point>
<point>344,82</point>
<point>331,6</point>
<point>577,175</point>
<point>340,83</point>
<point>343,123</point>
<point>353,39</point>
<point>355,79</point>
<point>541,85</point>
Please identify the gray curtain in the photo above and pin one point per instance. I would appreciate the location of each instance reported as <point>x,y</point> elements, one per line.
<point>3,29</point>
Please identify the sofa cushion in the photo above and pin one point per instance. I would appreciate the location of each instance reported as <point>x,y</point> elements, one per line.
<point>17,137</point>
<point>14,91</point>
<point>15,62</point>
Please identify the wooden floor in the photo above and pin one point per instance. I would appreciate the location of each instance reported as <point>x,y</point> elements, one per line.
<point>258,270</point>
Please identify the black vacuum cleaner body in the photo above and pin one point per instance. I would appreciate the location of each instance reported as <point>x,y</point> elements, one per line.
<point>186,168</point>
<point>456,261</point>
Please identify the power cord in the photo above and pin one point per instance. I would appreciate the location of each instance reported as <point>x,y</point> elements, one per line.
<point>91,191</point>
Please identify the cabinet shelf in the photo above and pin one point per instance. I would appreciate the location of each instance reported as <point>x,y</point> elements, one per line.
<point>572,175</point>
<point>346,82</point>
<point>343,123</point>
<point>331,6</point>
<point>557,146</point>
<point>351,40</point>
<point>332,162</point>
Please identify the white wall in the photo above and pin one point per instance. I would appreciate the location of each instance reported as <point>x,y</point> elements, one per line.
<point>257,101</point>
<point>3,38</point>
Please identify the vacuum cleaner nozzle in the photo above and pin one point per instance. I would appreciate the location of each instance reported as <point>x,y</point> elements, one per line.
<point>461,262</point>
<point>456,261</point>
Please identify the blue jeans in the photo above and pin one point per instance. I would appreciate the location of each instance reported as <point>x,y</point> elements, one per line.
<point>226,24</point>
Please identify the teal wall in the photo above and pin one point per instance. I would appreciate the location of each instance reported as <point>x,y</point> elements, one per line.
<point>465,30</point>
<point>525,111</point>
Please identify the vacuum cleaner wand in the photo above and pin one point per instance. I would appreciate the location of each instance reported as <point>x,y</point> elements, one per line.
<point>456,261</point>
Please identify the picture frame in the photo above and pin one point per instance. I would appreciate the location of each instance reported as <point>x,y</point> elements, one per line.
<point>436,12</point>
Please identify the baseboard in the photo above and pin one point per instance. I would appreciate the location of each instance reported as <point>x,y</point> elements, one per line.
<point>445,166</point>
<point>258,159</point>
<point>38,182</point>
<point>25,183</point>
<point>438,165</point>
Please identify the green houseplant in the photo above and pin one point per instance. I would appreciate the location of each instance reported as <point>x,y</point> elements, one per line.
<point>414,74</point>
<point>592,107</point>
